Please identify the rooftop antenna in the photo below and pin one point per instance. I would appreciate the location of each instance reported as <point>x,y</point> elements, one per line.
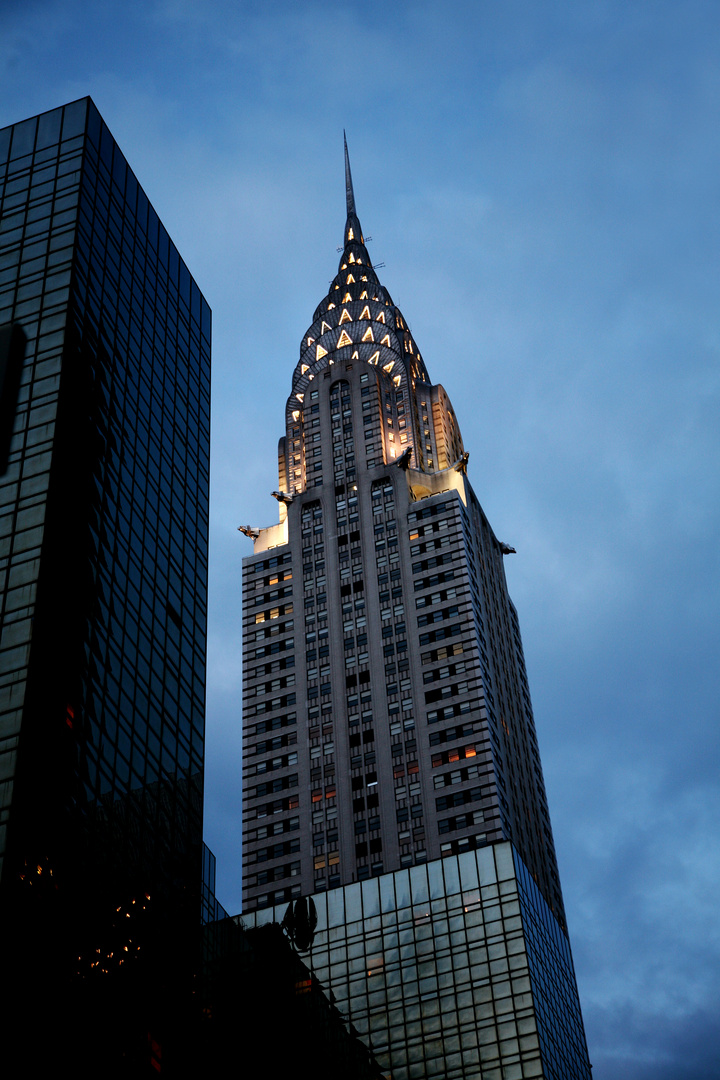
<point>349,193</point>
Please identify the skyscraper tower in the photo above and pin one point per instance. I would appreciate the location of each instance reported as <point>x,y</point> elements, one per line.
<point>388,727</point>
<point>103,571</point>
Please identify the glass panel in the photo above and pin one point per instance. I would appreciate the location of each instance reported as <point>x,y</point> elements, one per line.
<point>371,898</point>
<point>468,870</point>
<point>23,138</point>
<point>387,892</point>
<point>352,902</point>
<point>486,866</point>
<point>5,143</point>
<point>320,902</point>
<point>74,120</point>
<point>419,884</point>
<point>402,888</point>
<point>437,888</point>
<point>452,876</point>
<point>49,128</point>
<point>504,862</point>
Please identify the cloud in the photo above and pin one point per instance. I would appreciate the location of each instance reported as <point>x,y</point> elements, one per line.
<point>540,181</point>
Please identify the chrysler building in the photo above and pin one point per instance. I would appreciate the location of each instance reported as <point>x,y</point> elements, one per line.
<point>391,765</point>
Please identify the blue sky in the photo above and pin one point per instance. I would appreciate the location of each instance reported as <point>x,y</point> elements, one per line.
<point>541,181</point>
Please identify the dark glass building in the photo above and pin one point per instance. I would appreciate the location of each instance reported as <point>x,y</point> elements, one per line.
<point>267,1014</point>
<point>391,764</point>
<point>103,571</point>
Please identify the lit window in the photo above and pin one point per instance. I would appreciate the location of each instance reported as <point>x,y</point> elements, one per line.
<point>345,317</point>
<point>320,352</point>
<point>368,335</point>
<point>365,313</point>
<point>344,340</point>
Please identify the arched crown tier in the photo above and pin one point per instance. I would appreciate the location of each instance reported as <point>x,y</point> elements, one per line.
<point>357,314</point>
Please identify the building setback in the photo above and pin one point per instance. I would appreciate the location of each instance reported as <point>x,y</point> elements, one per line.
<point>103,570</point>
<point>388,729</point>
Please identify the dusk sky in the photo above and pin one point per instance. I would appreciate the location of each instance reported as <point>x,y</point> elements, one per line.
<point>541,181</point>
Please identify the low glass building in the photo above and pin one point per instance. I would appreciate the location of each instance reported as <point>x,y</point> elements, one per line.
<point>454,969</point>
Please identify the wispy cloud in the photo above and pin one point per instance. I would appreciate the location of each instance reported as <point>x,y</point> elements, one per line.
<point>541,182</point>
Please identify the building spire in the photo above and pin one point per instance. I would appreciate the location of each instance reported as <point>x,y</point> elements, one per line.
<point>349,193</point>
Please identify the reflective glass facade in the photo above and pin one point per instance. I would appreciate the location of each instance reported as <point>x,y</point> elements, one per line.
<point>455,969</point>
<point>103,554</point>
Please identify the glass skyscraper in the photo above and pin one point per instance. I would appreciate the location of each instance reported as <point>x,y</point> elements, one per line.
<point>391,766</point>
<point>103,571</point>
